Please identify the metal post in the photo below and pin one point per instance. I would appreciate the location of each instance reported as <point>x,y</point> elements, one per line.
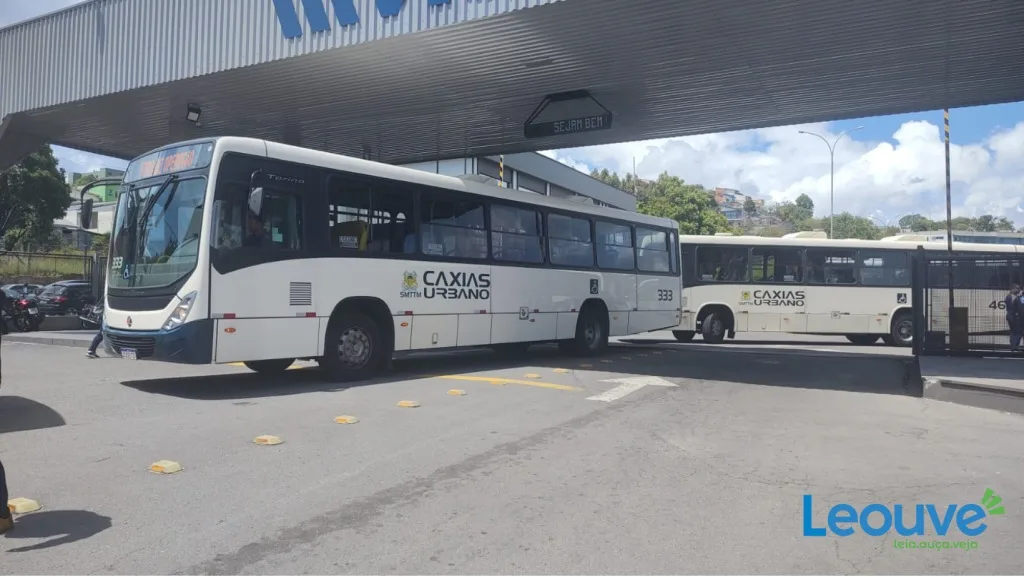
<point>949,212</point>
<point>832,175</point>
<point>501,170</point>
<point>832,191</point>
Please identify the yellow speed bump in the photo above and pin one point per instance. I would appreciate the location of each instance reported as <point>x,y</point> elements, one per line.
<point>532,376</point>
<point>165,467</point>
<point>21,505</point>
<point>267,440</point>
<point>346,420</point>
<point>408,404</point>
<point>562,371</point>
<point>456,392</point>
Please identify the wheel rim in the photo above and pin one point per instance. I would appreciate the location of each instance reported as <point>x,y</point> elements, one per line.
<point>355,347</point>
<point>591,334</point>
<point>717,327</point>
<point>905,331</point>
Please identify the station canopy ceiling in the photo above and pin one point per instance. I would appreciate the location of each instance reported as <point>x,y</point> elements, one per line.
<point>663,68</point>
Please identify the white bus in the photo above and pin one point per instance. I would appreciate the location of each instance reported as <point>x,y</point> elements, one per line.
<point>238,249</point>
<point>856,288</point>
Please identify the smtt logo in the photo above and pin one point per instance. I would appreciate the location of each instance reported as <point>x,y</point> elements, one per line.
<point>876,519</point>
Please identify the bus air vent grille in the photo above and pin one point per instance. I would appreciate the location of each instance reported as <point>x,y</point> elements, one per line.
<point>300,294</point>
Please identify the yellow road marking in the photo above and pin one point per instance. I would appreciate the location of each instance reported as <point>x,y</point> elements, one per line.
<point>504,381</point>
<point>295,366</point>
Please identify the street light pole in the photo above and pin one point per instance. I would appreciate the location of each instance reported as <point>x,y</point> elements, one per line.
<point>832,175</point>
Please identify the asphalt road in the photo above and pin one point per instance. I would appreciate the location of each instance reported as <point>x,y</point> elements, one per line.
<point>544,472</point>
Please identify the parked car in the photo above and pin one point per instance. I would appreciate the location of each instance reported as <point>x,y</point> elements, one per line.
<point>23,289</point>
<point>66,297</point>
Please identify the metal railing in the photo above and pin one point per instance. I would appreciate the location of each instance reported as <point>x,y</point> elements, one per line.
<point>958,302</point>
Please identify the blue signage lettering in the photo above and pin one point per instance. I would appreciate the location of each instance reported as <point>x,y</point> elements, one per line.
<point>344,12</point>
<point>876,519</point>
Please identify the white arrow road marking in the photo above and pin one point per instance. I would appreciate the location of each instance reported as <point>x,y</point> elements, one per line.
<point>629,385</point>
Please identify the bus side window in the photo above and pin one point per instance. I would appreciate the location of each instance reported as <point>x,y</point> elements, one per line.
<point>831,266</point>
<point>722,264</point>
<point>776,264</point>
<point>348,207</point>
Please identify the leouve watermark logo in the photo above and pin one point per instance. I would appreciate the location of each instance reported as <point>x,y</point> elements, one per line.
<point>919,520</point>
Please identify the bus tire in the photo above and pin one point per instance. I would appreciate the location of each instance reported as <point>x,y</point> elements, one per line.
<point>269,366</point>
<point>713,329</point>
<point>684,336</point>
<point>591,337</point>
<point>862,340</point>
<point>353,348</point>
<point>902,331</point>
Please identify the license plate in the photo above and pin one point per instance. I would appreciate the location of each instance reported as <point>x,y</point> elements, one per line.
<point>128,354</point>
<point>33,311</point>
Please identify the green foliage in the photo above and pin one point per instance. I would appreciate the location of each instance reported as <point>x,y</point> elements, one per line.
<point>32,195</point>
<point>750,207</point>
<point>805,202</point>
<point>983,223</point>
<point>691,205</point>
<point>84,179</point>
<point>852,226</point>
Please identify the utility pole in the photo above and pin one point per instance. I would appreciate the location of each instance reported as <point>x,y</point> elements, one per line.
<point>949,212</point>
<point>832,176</point>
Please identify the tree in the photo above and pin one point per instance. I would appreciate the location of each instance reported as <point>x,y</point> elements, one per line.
<point>805,202</point>
<point>84,179</point>
<point>33,194</point>
<point>851,226</point>
<point>750,207</point>
<point>917,223</point>
<point>692,206</point>
<point>797,216</point>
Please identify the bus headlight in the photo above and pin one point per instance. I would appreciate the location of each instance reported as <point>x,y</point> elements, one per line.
<point>180,312</point>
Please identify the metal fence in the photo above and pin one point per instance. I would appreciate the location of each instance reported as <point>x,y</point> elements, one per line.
<point>44,268</point>
<point>958,302</point>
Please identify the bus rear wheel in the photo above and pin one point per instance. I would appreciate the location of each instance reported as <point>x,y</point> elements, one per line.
<point>902,332</point>
<point>269,366</point>
<point>591,334</point>
<point>862,340</point>
<point>353,349</point>
<point>684,336</point>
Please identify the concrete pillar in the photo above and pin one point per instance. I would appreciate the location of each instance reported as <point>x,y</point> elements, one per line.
<point>15,143</point>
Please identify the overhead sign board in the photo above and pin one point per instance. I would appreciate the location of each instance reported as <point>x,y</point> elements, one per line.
<point>567,113</point>
<point>344,12</point>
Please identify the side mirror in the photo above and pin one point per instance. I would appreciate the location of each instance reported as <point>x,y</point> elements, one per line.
<point>85,214</point>
<point>256,200</point>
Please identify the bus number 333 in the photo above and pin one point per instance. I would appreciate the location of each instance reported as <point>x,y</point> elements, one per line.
<point>665,294</point>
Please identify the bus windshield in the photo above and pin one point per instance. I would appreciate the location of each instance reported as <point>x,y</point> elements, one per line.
<point>155,240</point>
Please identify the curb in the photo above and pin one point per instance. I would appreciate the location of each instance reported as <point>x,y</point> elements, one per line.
<point>973,395</point>
<point>57,341</point>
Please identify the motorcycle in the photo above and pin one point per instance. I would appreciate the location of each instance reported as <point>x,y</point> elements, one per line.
<point>24,314</point>
<point>93,316</point>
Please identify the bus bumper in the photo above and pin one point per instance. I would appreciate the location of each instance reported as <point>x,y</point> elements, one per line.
<point>191,343</point>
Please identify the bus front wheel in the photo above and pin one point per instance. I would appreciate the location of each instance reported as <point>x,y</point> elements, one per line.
<point>684,336</point>
<point>269,366</point>
<point>713,329</point>
<point>353,350</point>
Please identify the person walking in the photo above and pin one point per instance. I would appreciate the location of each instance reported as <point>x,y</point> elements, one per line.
<point>96,340</point>
<point>1013,316</point>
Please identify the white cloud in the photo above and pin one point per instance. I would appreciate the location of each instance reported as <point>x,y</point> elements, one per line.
<point>77,161</point>
<point>885,179</point>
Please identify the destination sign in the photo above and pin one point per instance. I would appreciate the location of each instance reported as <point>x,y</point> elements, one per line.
<point>588,123</point>
<point>169,161</point>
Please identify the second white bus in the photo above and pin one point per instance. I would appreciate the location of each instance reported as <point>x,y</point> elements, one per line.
<point>237,249</point>
<point>860,289</point>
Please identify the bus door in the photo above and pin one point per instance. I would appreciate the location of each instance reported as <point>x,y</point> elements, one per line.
<point>832,304</point>
<point>776,300</point>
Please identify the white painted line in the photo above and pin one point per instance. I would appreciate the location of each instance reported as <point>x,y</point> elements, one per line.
<point>627,386</point>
